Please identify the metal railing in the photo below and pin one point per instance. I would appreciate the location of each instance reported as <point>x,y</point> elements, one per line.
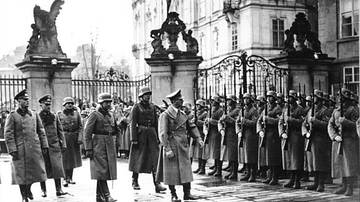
<point>9,87</point>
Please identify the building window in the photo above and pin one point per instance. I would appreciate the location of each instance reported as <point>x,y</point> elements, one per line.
<point>278,32</point>
<point>215,5</point>
<point>234,37</point>
<point>201,43</point>
<point>351,74</point>
<point>216,38</point>
<point>202,8</point>
<point>349,13</point>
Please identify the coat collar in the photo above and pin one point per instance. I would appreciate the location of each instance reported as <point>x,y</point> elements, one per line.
<point>23,112</point>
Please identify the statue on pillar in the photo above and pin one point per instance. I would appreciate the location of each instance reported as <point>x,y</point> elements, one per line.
<point>157,42</point>
<point>43,41</point>
<point>300,40</point>
<point>173,26</point>
<point>192,45</point>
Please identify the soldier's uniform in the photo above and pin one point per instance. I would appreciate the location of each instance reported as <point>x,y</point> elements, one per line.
<point>99,134</point>
<point>26,141</point>
<point>73,128</point>
<point>293,155</point>
<point>345,163</point>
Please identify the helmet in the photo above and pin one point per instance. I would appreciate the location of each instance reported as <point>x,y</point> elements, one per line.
<point>104,97</point>
<point>200,102</point>
<point>68,100</point>
<point>144,90</point>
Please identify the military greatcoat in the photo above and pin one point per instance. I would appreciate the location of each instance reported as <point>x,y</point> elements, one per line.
<point>347,164</point>
<point>99,134</point>
<point>317,157</point>
<point>25,134</point>
<point>174,129</point>
<point>143,124</point>
<point>249,136</point>
<point>56,139</point>
<point>195,150</point>
<point>231,138</point>
<point>73,130</point>
<point>272,139</point>
<point>214,137</point>
<point>293,157</point>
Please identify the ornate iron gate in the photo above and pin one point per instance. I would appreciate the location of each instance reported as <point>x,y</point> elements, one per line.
<point>241,74</point>
<point>116,83</point>
<point>9,87</point>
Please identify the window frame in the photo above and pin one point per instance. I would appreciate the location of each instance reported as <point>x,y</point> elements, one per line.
<point>234,37</point>
<point>352,12</point>
<point>353,77</point>
<point>279,43</point>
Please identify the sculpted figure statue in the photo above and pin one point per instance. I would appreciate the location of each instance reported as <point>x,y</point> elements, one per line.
<point>43,41</point>
<point>192,45</point>
<point>157,42</point>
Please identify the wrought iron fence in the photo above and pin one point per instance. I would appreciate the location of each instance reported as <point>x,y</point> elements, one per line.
<point>9,87</point>
<point>240,74</point>
<point>118,84</point>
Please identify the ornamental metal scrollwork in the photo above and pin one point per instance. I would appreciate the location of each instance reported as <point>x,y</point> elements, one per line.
<point>111,75</point>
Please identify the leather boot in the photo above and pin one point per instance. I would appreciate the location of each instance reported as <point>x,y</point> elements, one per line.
<point>135,183</point>
<point>23,193</point>
<point>305,177</point>
<point>186,189</point>
<point>106,192</point>
<point>199,166</point>
<point>59,191</point>
<point>234,173</point>
<point>343,188</point>
<point>158,186</point>
<point>298,174</point>
<point>227,168</point>
<point>316,182</point>
<point>291,182</point>
<point>214,169</point>
<point>28,192</point>
<point>252,172</point>
<point>43,189</point>
<point>269,176</point>
<point>275,177</point>
<point>202,168</point>
<point>350,187</point>
<point>218,172</point>
<point>242,169</point>
<point>322,178</point>
<point>230,171</point>
<point>99,194</point>
<point>247,175</point>
<point>70,177</point>
<point>174,197</point>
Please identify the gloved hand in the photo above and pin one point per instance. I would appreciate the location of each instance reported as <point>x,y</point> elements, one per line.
<point>222,132</point>
<point>307,135</point>
<point>338,138</point>
<point>262,134</point>
<point>169,154</point>
<point>89,154</point>
<point>284,135</point>
<point>201,142</point>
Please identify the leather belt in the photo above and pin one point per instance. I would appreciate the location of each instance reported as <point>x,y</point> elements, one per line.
<point>108,133</point>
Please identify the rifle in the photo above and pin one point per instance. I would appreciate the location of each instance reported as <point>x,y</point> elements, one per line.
<point>262,139</point>
<point>241,143</point>
<point>308,140</point>
<point>286,124</point>
<point>225,113</point>
<point>340,148</point>
<point>207,124</point>
<point>195,110</point>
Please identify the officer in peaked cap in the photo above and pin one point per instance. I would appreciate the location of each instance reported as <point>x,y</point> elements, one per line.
<point>144,138</point>
<point>45,99</point>
<point>175,168</point>
<point>24,125</point>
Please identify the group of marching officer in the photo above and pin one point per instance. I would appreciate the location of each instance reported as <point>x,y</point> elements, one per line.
<point>304,135</point>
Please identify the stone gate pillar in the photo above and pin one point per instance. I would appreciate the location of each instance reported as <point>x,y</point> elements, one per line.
<point>46,75</point>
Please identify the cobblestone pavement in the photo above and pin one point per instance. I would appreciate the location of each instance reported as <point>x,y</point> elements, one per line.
<point>206,188</point>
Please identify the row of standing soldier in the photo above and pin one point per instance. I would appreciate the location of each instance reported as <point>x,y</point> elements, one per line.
<point>277,136</point>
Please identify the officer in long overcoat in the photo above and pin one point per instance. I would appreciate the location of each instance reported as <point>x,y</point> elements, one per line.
<point>342,131</point>
<point>99,134</point>
<point>57,145</point>
<point>246,131</point>
<point>231,137</point>
<point>198,151</point>
<point>73,128</point>
<point>174,164</point>
<point>314,128</point>
<point>292,140</point>
<point>26,142</point>
<point>214,136</point>
<point>144,150</point>
<point>267,127</point>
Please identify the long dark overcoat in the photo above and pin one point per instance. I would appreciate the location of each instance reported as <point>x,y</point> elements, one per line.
<point>293,157</point>
<point>261,150</point>
<point>73,130</point>
<point>100,133</point>
<point>143,124</point>
<point>214,137</point>
<point>249,136</point>
<point>231,137</point>
<point>25,134</point>
<point>318,156</point>
<point>195,150</point>
<point>347,164</point>
<point>272,139</point>
<point>174,129</point>
<point>56,139</point>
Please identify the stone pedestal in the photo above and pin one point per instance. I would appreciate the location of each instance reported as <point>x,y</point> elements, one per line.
<point>48,76</point>
<point>169,75</point>
<point>311,72</point>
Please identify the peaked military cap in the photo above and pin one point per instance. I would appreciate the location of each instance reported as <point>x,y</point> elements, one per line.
<point>175,95</point>
<point>104,97</point>
<point>46,99</point>
<point>22,95</point>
